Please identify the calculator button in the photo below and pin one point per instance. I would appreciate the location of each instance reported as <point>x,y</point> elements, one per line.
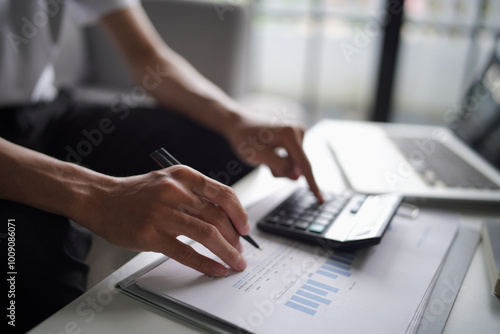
<point>273,219</point>
<point>317,228</point>
<point>308,216</point>
<point>325,215</point>
<point>302,225</point>
<point>321,220</point>
<point>287,222</point>
<point>335,210</point>
<point>293,214</point>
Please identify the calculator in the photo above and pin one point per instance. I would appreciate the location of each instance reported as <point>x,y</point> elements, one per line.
<point>346,221</point>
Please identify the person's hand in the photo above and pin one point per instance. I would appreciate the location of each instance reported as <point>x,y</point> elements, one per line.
<point>148,212</point>
<point>256,140</point>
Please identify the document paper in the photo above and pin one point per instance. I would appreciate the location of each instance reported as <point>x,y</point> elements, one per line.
<point>292,287</point>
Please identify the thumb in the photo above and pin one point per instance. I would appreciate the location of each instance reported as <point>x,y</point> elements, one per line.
<point>280,166</point>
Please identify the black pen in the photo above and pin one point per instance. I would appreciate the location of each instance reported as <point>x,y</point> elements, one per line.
<point>165,159</point>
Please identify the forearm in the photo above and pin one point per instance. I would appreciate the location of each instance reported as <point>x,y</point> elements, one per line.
<point>46,183</point>
<point>188,92</point>
<point>165,75</point>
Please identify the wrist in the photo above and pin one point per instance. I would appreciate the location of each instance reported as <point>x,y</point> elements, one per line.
<point>225,116</point>
<point>88,193</point>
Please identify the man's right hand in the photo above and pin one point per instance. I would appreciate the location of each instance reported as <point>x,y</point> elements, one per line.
<point>144,212</point>
<point>148,212</point>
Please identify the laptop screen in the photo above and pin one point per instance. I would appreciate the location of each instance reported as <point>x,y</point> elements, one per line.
<point>478,121</point>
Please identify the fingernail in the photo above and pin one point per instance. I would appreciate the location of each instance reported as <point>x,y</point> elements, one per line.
<point>220,270</point>
<point>321,199</point>
<point>245,229</point>
<point>241,264</point>
<point>297,171</point>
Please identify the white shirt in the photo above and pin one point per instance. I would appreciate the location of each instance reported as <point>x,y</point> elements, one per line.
<point>29,31</point>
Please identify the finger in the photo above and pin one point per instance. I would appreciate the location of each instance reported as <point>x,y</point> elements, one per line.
<point>209,236</point>
<point>293,145</point>
<point>214,215</point>
<point>279,165</point>
<point>227,201</point>
<point>208,189</point>
<point>186,255</point>
<point>192,204</point>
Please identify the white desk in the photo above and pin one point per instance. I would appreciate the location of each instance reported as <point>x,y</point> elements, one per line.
<point>103,309</point>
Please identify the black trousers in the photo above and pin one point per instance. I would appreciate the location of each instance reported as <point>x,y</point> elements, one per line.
<point>48,251</point>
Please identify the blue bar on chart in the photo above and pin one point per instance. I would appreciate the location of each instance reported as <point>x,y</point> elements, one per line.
<point>300,308</point>
<point>313,297</point>
<point>326,273</point>
<point>322,285</point>
<point>304,301</point>
<point>338,265</point>
<point>341,260</point>
<point>335,270</point>
<point>315,290</point>
<point>347,256</point>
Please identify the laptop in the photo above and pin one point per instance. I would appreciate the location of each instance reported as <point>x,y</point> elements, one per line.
<point>457,162</point>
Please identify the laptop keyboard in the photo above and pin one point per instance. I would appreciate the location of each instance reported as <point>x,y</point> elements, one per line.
<point>442,166</point>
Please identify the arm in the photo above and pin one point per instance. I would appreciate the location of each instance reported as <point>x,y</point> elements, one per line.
<point>184,90</point>
<point>143,213</point>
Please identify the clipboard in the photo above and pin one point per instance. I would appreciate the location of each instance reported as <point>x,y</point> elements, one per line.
<point>184,312</point>
<point>462,248</point>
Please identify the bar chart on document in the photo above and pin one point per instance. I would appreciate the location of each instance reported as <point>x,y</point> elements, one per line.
<point>315,292</point>
<point>286,268</point>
